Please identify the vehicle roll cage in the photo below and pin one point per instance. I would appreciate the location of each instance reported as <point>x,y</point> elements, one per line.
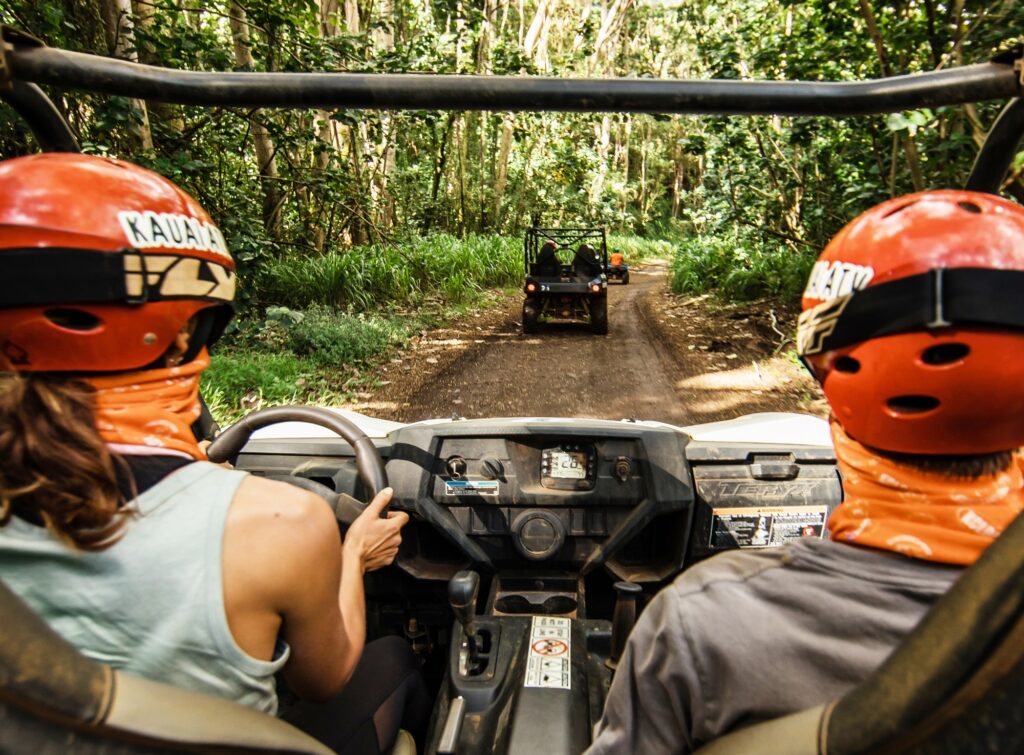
<point>564,238</point>
<point>26,63</point>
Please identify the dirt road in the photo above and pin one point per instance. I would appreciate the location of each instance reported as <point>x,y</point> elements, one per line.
<point>681,361</point>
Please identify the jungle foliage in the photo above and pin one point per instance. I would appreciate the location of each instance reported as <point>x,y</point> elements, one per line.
<point>297,191</point>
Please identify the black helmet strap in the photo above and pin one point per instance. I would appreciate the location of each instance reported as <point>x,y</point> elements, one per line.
<point>40,276</point>
<point>938,298</point>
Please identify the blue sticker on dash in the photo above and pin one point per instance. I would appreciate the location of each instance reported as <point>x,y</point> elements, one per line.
<point>471,487</point>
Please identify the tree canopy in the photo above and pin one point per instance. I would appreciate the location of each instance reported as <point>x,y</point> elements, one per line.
<point>285,183</point>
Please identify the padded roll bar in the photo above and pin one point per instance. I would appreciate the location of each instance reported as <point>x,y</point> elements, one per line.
<point>41,116</point>
<point>26,62</point>
<point>29,61</point>
<point>996,156</point>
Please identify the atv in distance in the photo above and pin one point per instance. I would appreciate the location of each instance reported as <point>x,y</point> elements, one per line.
<point>565,277</point>
<point>617,269</point>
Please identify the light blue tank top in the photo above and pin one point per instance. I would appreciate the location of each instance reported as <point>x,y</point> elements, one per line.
<point>153,603</point>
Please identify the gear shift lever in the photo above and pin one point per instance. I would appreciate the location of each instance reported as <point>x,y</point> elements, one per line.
<point>462,594</point>
<point>623,619</point>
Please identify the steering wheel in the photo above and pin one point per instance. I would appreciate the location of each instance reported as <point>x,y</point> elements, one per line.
<point>369,463</point>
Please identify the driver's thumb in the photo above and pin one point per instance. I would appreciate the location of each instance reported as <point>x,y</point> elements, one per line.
<point>380,501</point>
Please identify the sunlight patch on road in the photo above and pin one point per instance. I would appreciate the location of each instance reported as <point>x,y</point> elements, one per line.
<point>373,405</point>
<point>732,390</point>
<point>744,378</point>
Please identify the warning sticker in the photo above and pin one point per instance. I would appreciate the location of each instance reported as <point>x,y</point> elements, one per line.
<point>549,665</point>
<point>471,487</point>
<point>766,527</point>
<point>550,647</point>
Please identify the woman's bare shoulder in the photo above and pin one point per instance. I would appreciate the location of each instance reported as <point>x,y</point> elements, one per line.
<point>276,534</point>
<point>259,496</point>
<point>283,517</point>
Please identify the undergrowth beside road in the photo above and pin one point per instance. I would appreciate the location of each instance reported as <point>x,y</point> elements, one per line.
<point>318,327</point>
<point>318,355</point>
<point>366,277</point>
<point>739,268</point>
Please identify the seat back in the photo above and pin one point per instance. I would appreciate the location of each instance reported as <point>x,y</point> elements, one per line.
<point>546,265</point>
<point>54,699</point>
<point>959,675</point>
<point>955,685</point>
<point>585,263</point>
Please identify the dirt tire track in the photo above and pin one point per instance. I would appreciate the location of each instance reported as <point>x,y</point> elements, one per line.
<point>647,367</point>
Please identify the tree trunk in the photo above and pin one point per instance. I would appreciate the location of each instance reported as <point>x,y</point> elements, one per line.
<point>535,41</point>
<point>169,116</point>
<point>678,177</point>
<point>603,132</point>
<point>440,165</point>
<point>263,146</point>
<point>327,130</point>
<point>486,33</point>
<point>612,17</point>
<point>642,199</point>
<point>462,145</point>
<point>352,16</point>
<point>385,153</point>
<point>501,169</point>
<point>120,23</point>
<point>909,147</point>
<point>627,133</point>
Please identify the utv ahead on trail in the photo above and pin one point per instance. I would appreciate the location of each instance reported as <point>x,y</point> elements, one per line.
<point>617,269</point>
<point>565,277</point>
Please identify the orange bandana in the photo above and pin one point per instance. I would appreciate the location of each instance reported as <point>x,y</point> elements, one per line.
<point>152,411</point>
<point>920,514</point>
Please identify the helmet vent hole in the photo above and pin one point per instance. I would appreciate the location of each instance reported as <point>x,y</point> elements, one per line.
<point>73,319</point>
<point>901,208</point>
<point>846,364</point>
<point>912,404</point>
<point>945,353</point>
<point>969,207</point>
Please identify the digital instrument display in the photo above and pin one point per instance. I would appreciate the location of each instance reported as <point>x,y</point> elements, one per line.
<point>567,465</point>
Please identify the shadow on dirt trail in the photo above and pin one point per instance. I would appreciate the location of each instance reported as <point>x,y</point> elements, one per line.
<point>664,358</point>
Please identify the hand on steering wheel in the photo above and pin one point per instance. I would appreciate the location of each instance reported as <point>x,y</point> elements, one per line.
<point>374,540</point>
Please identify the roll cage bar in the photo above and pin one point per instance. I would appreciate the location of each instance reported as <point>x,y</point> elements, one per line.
<point>26,63</point>
<point>564,238</point>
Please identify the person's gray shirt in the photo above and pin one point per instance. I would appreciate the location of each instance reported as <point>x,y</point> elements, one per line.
<point>748,636</point>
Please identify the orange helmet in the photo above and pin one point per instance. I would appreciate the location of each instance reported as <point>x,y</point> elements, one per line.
<point>101,264</point>
<point>913,323</point>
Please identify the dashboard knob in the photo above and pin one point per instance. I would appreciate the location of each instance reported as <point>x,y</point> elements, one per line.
<point>623,469</point>
<point>456,467</point>
<point>538,535</point>
<point>491,468</point>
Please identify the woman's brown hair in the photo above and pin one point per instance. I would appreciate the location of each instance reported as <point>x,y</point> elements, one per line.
<point>54,467</point>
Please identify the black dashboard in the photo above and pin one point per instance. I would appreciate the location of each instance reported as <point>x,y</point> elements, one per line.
<point>563,495</point>
<point>641,500</point>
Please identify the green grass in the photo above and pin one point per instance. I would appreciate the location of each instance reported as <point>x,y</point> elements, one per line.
<point>236,382</point>
<point>441,266</point>
<point>739,268</point>
<point>318,355</point>
<point>367,277</point>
